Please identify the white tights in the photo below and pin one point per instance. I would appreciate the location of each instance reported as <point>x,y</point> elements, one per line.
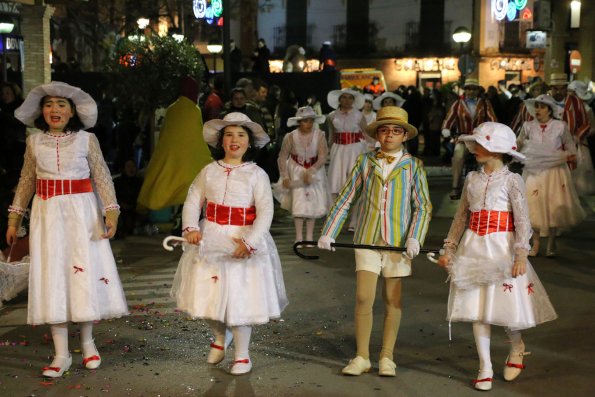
<point>299,226</point>
<point>241,337</point>
<point>482,334</point>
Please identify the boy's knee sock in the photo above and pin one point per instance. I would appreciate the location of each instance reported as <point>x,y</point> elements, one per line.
<point>392,323</point>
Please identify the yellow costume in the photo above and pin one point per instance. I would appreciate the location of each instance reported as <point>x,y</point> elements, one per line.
<point>179,156</point>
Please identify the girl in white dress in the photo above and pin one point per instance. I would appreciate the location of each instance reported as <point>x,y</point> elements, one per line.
<point>73,275</point>
<point>491,281</point>
<point>303,187</point>
<point>230,272</point>
<point>550,149</point>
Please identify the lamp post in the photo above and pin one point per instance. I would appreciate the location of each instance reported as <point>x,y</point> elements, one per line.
<point>462,35</point>
<point>214,49</point>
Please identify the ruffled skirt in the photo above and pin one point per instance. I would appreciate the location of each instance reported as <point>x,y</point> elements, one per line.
<point>210,284</point>
<point>482,288</point>
<point>342,160</point>
<point>552,199</point>
<point>73,274</point>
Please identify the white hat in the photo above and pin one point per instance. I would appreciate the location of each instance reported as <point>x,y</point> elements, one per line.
<point>557,110</point>
<point>368,97</point>
<point>303,113</point>
<point>326,42</point>
<point>333,98</point>
<point>212,128</point>
<point>581,89</point>
<point>471,82</point>
<point>495,138</point>
<point>378,101</point>
<point>30,110</point>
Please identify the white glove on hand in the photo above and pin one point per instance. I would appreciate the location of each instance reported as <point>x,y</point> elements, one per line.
<point>445,133</point>
<point>324,242</point>
<point>413,247</point>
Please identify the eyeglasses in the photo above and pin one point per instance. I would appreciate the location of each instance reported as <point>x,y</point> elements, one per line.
<point>394,131</point>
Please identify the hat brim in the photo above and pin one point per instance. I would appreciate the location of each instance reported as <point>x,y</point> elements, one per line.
<point>377,102</point>
<point>333,98</point>
<point>557,111</point>
<point>85,105</point>
<point>471,141</point>
<point>212,128</point>
<point>293,121</point>
<point>371,128</point>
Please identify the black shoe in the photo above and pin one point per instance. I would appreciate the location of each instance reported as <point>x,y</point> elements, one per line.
<point>455,194</point>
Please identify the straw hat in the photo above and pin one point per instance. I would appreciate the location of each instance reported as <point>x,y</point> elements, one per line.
<point>581,89</point>
<point>303,113</point>
<point>333,98</point>
<point>471,83</point>
<point>558,79</point>
<point>30,110</point>
<point>494,137</point>
<point>391,115</point>
<point>212,128</point>
<point>377,103</point>
<point>557,110</point>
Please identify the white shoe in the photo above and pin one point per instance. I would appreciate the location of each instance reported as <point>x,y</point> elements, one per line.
<point>57,368</point>
<point>357,366</point>
<point>483,382</point>
<point>514,365</point>
<point>241,366</point>
<point>94,360</point>
<point>387,367</point>
<point>217,352</point>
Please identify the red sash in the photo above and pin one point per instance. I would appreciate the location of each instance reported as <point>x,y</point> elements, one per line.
<point>347,138</point>
<point>48,188</point>
<point>223,215</point>
<point>306,164</point>
<point>484,222</point>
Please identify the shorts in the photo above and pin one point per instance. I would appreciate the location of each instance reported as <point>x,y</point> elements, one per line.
<point>388,263</point>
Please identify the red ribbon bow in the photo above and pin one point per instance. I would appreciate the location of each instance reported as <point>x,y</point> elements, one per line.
<point>215,278</point>
<point>243,361</point>
<point>507,287</point>
<point>105,280</point>
<point>530,289</point>
<point>55,369</point>
<point>78,269</point>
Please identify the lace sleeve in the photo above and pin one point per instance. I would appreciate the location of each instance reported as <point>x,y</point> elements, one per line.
<point>263,201</point>
<point>459,223</point>
<point>101,175</point>
<point>568,141</point>
<point>520,211</point>
<point>322,152</point>
<point>26,187</point>
<point>284,156</point>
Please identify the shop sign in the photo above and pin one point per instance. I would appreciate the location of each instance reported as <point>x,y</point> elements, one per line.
<point>511,63</point>
<point>575,61</point>
<point>425,64</point>
<point>11,43</point>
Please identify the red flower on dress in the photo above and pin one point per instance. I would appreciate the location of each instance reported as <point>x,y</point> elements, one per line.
<point>488,137</point>
<point>530,289</point>
<point>507,287</point>
<point>215,278</point>
<point>78,269</point>
<point>105,280</point>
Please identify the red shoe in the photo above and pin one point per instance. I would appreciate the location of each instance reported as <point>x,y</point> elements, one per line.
<point>57,368</point>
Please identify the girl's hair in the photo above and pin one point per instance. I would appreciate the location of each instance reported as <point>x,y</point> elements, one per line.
<point>507,158</point>
<point>74,124</point>
<point>251,153</point>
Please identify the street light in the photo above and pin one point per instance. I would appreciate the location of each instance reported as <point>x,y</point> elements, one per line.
<point>214,49</point>
<point>6,27</point>
<point>461,35</point>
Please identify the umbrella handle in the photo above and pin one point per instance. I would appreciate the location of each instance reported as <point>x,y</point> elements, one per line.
<point>314,244</point>
<point>432,257</point>
<point>172,238</point>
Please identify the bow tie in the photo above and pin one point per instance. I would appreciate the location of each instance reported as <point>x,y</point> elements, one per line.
<point>381,155</point>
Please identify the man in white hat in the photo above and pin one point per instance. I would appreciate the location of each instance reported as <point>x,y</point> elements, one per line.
<point>575,114</point>
<point>463,117</point>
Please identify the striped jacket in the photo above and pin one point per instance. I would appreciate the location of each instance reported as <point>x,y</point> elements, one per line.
<point>459,118</point>
<point>394,210</point>
<point>575,115</point>
<point>521,116</point>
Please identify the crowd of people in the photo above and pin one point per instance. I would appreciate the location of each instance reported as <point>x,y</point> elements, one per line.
<point>230,274</point>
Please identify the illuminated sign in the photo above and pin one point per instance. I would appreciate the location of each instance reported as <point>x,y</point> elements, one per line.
<point>209,10</point>
<point>508,9</point>
<point>425,64</point>
<point>511,64</point>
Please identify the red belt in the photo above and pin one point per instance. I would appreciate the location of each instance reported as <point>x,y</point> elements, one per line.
<point>485,222</point>
<point>237,216</point>
<point>347,138</point>
<point>306,164</point>
<point>48,188</point>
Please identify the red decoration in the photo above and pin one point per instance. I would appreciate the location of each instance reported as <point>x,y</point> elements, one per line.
<point>78,269</point>
<point>215,278</point>
<point>488,137</point>
<point>507,287</point>
<point>530,289</point>
<point>105,280</point>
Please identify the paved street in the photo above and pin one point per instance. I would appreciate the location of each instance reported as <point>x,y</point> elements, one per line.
<point>157,351</point>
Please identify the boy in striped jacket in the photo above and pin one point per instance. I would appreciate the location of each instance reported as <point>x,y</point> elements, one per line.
<point>395,210</point>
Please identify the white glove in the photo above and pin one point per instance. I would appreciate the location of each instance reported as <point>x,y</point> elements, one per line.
<point>445,133</point>
<point>413,247</point>
<point>324,242</point>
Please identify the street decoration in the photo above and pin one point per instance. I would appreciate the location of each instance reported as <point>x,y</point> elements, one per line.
<point>508,8</point>
<point>209,10</point>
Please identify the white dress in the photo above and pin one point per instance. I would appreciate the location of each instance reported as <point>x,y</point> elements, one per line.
<point>343,156</point>
<point>209,283</point>
<point>301,153</point>
<point>551,194</point>
<point>73,275</point>
<point>481,287</point>
<point>584,174</point>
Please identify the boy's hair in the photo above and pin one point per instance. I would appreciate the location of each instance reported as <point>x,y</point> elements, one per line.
<point>74,124</point>
<point>251,153</point>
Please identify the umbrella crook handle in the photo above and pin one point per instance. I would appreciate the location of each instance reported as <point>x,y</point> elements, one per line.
<point>172,238</point>
<point>298,244</point>
<point>432,257</point>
